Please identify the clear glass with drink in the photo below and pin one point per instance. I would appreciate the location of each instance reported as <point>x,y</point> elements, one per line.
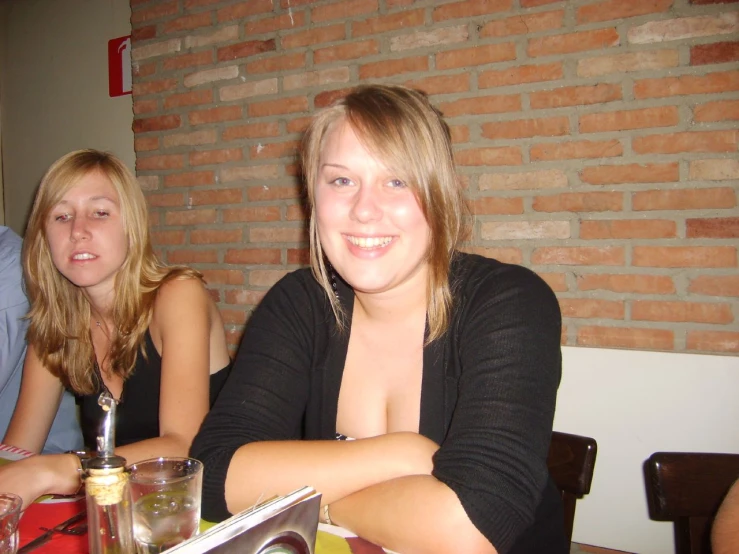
<point>10,513</point>
<point>165,497</point>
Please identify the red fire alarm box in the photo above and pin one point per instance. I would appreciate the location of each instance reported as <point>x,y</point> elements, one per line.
<point>119,66</point>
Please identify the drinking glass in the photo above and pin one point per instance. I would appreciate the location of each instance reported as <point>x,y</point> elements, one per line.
<point>10,513</point>
<point>165,495</point>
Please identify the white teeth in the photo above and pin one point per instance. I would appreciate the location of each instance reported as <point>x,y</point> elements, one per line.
<point>371,242</point>
<point>84,256</point>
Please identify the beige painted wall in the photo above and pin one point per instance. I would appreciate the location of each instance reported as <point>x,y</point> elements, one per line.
<point>54,90</point>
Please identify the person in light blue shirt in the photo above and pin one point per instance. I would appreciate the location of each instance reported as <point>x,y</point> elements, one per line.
<point>65,431</point>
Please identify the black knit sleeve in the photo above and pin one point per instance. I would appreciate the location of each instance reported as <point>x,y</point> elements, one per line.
<point>507,340</point>
<point>265,395</point>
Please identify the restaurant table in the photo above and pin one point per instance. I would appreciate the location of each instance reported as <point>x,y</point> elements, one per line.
<point>49,512</point>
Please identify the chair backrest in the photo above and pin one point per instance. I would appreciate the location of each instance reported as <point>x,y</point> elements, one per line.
<point>571,462</point>
<point>687,488</point>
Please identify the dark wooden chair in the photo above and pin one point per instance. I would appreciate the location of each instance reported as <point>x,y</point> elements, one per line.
<point>571,462</point>
<point>687,488</point>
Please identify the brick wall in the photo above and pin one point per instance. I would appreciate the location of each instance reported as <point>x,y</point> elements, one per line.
<point>597,140</point>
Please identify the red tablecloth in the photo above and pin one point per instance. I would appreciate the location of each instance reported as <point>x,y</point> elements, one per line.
<point>50,514</point>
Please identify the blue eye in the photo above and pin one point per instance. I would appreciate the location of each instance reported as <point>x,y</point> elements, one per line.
<point>397,183</point>
<point>342,182</point>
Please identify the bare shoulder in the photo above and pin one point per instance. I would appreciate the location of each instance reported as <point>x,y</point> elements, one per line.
<point>181,297</point>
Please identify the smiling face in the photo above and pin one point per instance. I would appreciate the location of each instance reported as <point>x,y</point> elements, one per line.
<point>370,224</point>
<point>86,236</point>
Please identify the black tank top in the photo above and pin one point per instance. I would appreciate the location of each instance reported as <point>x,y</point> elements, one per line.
<point>137,414</point>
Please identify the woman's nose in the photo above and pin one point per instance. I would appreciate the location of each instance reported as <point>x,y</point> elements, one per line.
<point>80,230</point>
<point>367,204</point>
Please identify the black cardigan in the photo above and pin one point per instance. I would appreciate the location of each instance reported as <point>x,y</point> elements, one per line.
<point>488,394</point>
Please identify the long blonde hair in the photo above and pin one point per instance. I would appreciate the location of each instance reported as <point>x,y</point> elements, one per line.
<point>59,327</point>
<point>408,134</point>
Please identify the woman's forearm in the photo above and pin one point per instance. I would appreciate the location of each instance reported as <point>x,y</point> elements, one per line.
<point>166,445</point>
<point>336,469</point>
<point>416,514</point>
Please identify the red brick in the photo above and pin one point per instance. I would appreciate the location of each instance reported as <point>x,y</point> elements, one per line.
<point>590,307</point>
<point>681,312</point>
<point>470,8</point>
<point>520,74</point>
<point>522,128</point>
<point>627,62</point>
<point>274,150</point>
<point>315,35</point>
<point>556,281</point>
<point>346,51</point>
<point>145,144</point>
<point>188,60</point>
<point>190,217</point>
<point>256,194</point>
<point>143,33</point>
<point>172,161</point>
<point>721,110</point>
<point>244,9</point>
<point>214,115</point>
<point>253,130</point>
<point>165,200</point>
<point>153,87</point>
<point>575,96</point>
<point>387,68</point>
<point>192,256</point>
<point>578,255</point>
<point>187,22</point>
<point>715,228</point>
<point>298,256</point>
<point>263,213</point>
<point>250,172</point>
<point>441,84</point>
<point>535,3</point>
<point>476,55</point>
<point>245,297</point>
<point>299,124</point>
<point>234,317</point>
<point>573,42</point>
<point>276,63</point>
<point>490,205</point>
<point>223,276</point>
<point>216,196</point>
<point>639,284</point>
<point>580,202</point>
<point>460,134</point>
<point>715,285</point>
<point>527,180</point>
<point>253,256</point>
<point>719,169</point>
<point>145,106</point>
<point>505,255</point>
<point>245,49</point>
<point>297,212</point>
<point>713,1</point>
<point>168,237</point>
<point>482,105</point>
<point>524,230</point>
<point>215,236</point>
<point>193,98</point>
<point>277,107</point>
<point>158,123</point>
<point>195,138</point>
<point>687,84</point>
<point>625,337</point>
<point>663,116</point>
<point>523,24</point>
<point>190,4</point>
<point>683,199</point>
<point>342,10</point>
<point>620,9</point>
<point>144,69</point>
<point>278,234</point>
<point>402,20</point>
<point>208,157</point>
<point>713,341</point>
<point>684,256</point>
<point>576,149</point>
<point>294,19</point>
<point>160,9</point>
<point>717,52</point>
<point>628,229</point>
<point>507,155</point>
<point>630,173</point>
<point>189,179</point>
<point>691,141</point>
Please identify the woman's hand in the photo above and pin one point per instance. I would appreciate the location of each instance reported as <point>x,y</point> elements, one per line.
<point>39,475</point>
